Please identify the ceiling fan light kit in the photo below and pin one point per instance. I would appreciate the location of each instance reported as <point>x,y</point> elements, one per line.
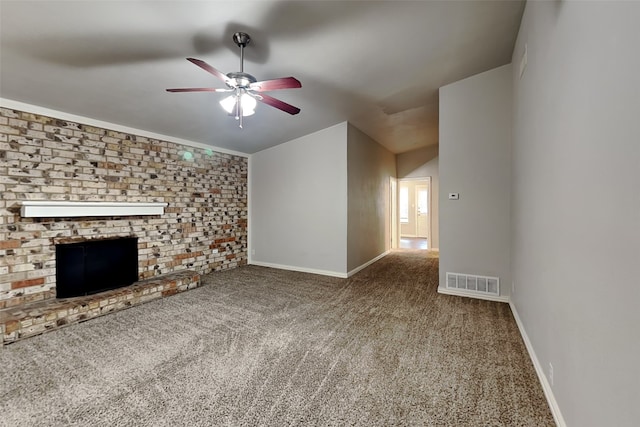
<point>243,105</point>
<point>246,91</point>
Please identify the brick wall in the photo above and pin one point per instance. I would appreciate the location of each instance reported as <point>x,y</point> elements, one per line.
<point>204,228</point>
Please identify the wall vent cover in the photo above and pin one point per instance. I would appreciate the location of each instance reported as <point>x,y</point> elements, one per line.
<point>471,283</point>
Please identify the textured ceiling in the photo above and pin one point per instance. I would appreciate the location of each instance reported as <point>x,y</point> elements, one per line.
<point>376,64</point>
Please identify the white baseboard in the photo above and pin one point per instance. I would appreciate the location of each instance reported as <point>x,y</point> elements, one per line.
<point>300,269</point>
<point>367,264</point>
<point>546,387</point>
<point>434,249</point>
<point>316,271</point>
<point>463,293</point>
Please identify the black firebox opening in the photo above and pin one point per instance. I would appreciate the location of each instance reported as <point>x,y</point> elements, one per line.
<point>94,266</point>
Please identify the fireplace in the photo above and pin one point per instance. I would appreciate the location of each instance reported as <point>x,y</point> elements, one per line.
<point>93,266</point>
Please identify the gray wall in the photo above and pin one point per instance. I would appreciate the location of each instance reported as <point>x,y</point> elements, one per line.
<point>298,203</point>
<point>422,163</point>
<point>576,204</point>
<point>320,203</point>
<point>370,167</point>
<point>475,138</point>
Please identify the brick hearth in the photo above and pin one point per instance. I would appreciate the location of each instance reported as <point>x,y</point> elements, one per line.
<point>43,316</point>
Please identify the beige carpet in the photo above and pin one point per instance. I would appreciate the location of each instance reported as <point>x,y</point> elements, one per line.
<point>258,346</point>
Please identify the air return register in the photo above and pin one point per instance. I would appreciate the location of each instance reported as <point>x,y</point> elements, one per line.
<point>484,285</point>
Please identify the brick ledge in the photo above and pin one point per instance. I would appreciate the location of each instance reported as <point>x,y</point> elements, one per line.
<point>43,316</point>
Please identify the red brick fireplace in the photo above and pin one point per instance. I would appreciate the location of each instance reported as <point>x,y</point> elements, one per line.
<point>202,229</point>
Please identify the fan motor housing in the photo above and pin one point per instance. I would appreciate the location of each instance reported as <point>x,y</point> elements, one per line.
<point>242,79</point>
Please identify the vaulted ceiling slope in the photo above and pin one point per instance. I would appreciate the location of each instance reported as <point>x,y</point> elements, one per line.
<point>377,64</point>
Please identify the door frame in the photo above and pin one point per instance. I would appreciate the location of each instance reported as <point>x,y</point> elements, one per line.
<point>393,214</point>
<point>396,206</point>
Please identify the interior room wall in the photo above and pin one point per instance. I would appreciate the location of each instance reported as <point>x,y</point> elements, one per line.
<point>298,203</point>
<point>474,160</point>
<point>421,163</point>
<point>370,167</point>
<point>576,205</point>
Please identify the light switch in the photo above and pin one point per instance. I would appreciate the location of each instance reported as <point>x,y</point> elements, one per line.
<point>454,196</point>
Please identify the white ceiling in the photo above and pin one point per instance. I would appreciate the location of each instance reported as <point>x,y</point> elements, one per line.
<point>377,64</point>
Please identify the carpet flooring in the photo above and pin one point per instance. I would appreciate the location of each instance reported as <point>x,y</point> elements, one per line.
<point>259,346</point>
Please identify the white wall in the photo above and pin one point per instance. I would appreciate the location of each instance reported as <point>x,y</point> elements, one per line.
<point>475,138</point>
<point>576,204</point>
<point>422,163</point>
<point>370,167</point>
<point>298,203</point>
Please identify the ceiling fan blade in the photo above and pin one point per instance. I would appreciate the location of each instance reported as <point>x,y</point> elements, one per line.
<point>275,84</point>
<point>280,105</point>
<point>219,74</point>
<point>199,89</point>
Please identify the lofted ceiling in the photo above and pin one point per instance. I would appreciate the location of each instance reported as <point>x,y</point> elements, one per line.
<point>377,64</point>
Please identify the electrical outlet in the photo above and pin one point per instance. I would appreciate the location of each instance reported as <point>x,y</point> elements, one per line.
<point>551,374</point>
<point>513,287</point>
<point>253,251</point>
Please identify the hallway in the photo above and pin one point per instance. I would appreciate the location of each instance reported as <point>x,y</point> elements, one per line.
<point>413,243</point>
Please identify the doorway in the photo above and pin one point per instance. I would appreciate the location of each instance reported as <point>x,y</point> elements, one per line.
<point>414,213</point>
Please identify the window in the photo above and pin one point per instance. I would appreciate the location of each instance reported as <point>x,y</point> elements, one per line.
<point>404,205</point>
<point>423,201</point>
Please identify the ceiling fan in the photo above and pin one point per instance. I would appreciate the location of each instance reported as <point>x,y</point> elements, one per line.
<point>245,88</point>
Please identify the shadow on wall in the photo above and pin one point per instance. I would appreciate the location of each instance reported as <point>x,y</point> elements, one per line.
<point>408,163</point>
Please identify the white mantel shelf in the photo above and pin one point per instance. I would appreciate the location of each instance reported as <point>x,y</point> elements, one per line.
<point>65,209</point>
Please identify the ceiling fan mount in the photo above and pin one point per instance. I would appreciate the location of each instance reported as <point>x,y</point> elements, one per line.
<point>241,39</point>
<point>245,88</point>
<point>242,79</point>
